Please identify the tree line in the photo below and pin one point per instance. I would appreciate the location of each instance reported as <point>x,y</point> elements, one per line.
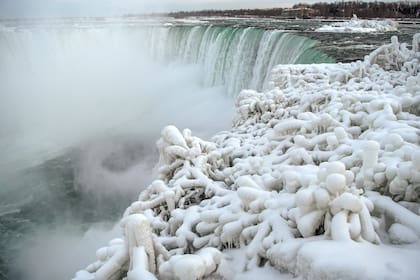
<point>406,9</point>
<point>229,13</point>
<point>402,9</point>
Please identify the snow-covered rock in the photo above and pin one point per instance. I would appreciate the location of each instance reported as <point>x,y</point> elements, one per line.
<point>312,179</point>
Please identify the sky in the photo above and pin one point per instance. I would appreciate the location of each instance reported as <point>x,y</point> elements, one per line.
<point>41,8</point>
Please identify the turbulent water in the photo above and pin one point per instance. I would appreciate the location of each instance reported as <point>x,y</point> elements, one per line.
<point>82,102</point>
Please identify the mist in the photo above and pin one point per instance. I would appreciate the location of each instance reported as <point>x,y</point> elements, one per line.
<point>81,107</point>
<point>65,86</point>
<point>59,252</point>
<point>57,8</point>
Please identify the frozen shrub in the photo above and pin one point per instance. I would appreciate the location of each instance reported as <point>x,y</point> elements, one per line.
<point>330,154</point>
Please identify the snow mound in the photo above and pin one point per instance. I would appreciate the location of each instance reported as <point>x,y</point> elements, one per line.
<point>319,177</point>
<point>360,26</point>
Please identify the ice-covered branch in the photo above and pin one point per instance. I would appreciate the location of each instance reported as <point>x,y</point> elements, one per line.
<point>330,154</point>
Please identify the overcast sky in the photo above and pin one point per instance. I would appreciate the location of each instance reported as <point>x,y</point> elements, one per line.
<point>34,8</point>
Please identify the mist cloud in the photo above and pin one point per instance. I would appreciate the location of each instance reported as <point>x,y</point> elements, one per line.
<point>58,253</point>
<point>59,89</point>
<point>99,90</point>
<point>46,8</point>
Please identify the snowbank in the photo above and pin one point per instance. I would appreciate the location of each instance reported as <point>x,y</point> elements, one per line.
<point>360,26</point>
<point>319,176</point>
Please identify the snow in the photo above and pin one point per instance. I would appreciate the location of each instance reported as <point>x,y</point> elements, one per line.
<point>401,234</point>
<point>360,26</point>
<point>233,266</point>
<point>352,260</point>
<point>318,178</point>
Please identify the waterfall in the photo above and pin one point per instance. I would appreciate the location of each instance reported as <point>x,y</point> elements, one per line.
<point>234,57</point>
<point>64,83</point>
<point>229,56</point>
<point>73,62</point>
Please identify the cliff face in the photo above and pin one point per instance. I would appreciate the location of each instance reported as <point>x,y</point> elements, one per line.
<point>319,176</point>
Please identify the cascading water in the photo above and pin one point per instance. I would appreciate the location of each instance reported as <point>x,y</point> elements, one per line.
<point>234,57</point>
<point>64,84</point>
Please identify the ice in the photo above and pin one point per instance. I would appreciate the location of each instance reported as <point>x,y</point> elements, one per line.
<point>336,183</point>
<point>318,177</point>
<point>357,25</point>
<point>190,267</point>
<point>139,270</point>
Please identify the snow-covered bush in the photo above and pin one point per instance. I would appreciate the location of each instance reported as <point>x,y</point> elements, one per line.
<point>329,155</point>
<point>334,206</point>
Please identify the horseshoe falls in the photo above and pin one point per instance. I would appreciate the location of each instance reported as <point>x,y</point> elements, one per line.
<point>81,106</point>
<point>234,57</point>
<point>127,70</point>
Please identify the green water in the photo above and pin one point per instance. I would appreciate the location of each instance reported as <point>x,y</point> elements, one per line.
<point>234,57</point>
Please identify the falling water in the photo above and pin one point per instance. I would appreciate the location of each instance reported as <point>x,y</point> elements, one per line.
<point>233,57</point>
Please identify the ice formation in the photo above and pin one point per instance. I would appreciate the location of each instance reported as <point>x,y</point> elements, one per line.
<point>325,163</point>
<point>360,26</point>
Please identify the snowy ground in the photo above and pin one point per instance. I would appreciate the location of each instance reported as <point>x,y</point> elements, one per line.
<point>318,178</point>
<point>360,26</point>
